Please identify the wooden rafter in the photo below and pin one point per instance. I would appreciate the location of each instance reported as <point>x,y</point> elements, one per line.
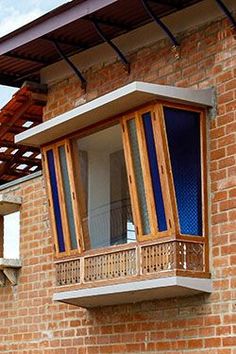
<point>24,110</point>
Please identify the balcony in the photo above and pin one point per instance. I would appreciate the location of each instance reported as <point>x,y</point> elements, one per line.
<point>134,272</point>
<point>141,143</point>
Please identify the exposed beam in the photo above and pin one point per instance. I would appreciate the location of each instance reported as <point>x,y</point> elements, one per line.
<point>27,58</point>
<point>8,79</point>
<point>159,22</point>
<point>15,129</point>
<point>10,144</point>
<point>169,3</point>
<point>227,13</point>
<point>110,22</point>
<point>28,74</point>
<point>4,128</point>
<point>23,160</point>
<point>71,65</point>
<point>65,41</point>
<point>42,27</point>
<point>32,117</point>
<point>5,167</point>
<point>112,45</point>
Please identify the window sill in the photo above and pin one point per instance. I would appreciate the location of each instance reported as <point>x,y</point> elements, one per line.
<point>9,203</point>
<point>8,270</point>
<point>135,291</point>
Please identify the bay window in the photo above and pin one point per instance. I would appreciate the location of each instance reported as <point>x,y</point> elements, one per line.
<point>134,178</point>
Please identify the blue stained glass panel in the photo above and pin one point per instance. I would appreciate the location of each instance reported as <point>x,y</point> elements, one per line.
<point>55,197</point>
<point>156,184</point>
<point>183,133</point>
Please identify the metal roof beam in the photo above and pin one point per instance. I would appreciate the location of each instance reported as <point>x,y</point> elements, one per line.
<point>26,57</point>
<point>159,22</point>
<point>110,22</point>
<point>174,4</point>
<point>71,65</point>
<point>227,13</point>
<point>112,45</point>
<point>79,45</point>
<point>36,30</point>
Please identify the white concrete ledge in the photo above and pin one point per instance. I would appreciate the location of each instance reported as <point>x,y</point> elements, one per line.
<point>10,263</point>
<point>9,270</point>
<point>112,104</point>
<point>9,203</point>
<point>135,291</point>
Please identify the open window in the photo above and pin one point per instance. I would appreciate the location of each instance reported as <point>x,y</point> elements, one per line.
<point>137,178</point>
<point>127,195</point>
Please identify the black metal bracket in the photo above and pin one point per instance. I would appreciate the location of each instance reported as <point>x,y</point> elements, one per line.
<point>163,27</point>
<point>227,14</point>
<point>112,45</point>
<point>71,65</point>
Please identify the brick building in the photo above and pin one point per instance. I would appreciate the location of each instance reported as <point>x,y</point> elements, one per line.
<point>128,237</point>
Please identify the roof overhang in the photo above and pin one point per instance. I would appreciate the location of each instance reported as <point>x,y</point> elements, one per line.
<point>112,104</point>
<point>51,22</point>
<point>133,292</point>
<point>70,29</point>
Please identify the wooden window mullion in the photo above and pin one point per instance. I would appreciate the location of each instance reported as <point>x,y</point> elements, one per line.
<point>165,170</point>
<point>74,198</point>
<point>61,191</point>
<point>50,199</point>
<point>146,176</point>
<point>131,179</point>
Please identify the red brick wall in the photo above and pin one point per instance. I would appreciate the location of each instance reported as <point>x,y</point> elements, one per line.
<point>31,323</point>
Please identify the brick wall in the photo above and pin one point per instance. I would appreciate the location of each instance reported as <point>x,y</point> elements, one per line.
<point>31,323</point>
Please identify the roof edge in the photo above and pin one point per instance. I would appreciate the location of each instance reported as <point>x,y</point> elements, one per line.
<point>48,23</point>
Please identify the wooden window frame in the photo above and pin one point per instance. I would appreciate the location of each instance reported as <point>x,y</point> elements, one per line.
<point>61,193</point>
<point>165,172</point>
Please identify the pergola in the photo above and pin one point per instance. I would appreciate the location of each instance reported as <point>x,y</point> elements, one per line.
<point>23,111</point>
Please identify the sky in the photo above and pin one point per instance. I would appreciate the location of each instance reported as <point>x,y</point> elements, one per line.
<point>14,14</point>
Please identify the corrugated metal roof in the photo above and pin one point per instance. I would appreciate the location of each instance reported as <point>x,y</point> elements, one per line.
<point>27,50</point>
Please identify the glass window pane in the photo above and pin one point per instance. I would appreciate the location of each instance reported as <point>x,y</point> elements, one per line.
<point>156,184</point>
<point>55,197</point>
<point>68,200</point>
<point>138,176</point>
<point>183,133</point>
<point>104,191</point>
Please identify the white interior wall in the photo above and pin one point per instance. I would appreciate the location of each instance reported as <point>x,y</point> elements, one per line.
<point>99,146</point>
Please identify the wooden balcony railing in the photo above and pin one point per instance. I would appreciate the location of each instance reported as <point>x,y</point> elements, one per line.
<point>135,261</point>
